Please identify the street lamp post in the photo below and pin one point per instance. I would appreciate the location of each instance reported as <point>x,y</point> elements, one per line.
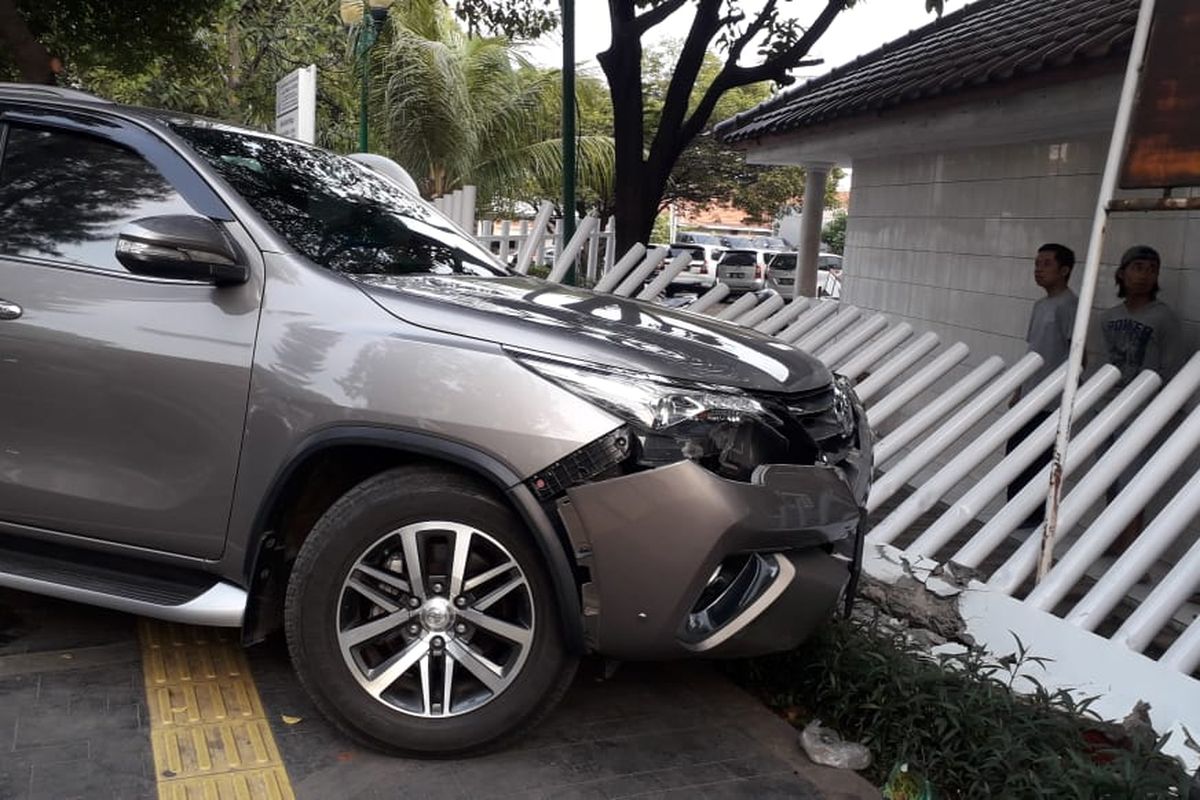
<point>366,17</point>
<point>568,127</point>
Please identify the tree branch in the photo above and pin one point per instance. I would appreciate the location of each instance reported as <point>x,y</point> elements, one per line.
<point>735,49</point>
<point>777,67</point>
<point>732,76</point>
<point>646,21</point>
<point>683,80</point>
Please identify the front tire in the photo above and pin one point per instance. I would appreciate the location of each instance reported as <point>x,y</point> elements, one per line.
<point>420,617</point>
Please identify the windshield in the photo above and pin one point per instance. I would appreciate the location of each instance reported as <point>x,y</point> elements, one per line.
<point>784,261</point>
<point>336,212</point>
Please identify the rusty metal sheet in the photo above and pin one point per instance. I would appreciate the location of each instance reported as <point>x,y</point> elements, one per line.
<point>1164,140</point>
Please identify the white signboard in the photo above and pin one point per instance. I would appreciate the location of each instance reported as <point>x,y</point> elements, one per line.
<point>296,104</point>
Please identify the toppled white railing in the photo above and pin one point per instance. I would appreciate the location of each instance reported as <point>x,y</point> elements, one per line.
<point>942,427</point>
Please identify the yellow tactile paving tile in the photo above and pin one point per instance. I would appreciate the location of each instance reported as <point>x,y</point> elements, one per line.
<point>208,728</point>
<point>211,701</point>
<point>269,784</point>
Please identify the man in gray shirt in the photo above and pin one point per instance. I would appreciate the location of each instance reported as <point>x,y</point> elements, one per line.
<point>1049,335</point>
<point>1141,332</point>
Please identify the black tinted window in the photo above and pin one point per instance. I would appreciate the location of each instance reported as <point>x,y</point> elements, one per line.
<point>733,259</point>
<point>696,253</point>
<point>784,261</point>
<point>66,196</point>
<point>338,213</point>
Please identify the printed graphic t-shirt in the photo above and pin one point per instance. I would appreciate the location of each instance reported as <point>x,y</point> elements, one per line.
<point>1149,338</point>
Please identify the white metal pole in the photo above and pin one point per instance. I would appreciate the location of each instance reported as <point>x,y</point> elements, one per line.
<point>709,299</point>
<point>872,353</point>
<point>1184,655</point>
<point>921,380</point>
<point>659,285</point>
<point>618,271</point>
<point>641,273</point>
<point>971,504</point>
<point>1093,485</point>
<point>593,255</point>
<point>1091,271</point>
<point>1115,584</point>
<point>1006,520</point>
<point>569,253</point>
<point>738,307</point>
<point>960,466</point>
<point>534,237</point>
<point>895,366</point>
<point>467,210</point>
<point>843,319</point>
<point>1172,591</point>
<point>1091,544</point>
<point>760,312</point>
<point>780,320</point>
<point>951,430</point>
<point>807,321</point>
<point>936,410</point>
<point>505,229</point>
<point>836,352</point>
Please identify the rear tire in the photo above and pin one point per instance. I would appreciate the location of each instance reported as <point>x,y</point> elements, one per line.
<point>409,642</point>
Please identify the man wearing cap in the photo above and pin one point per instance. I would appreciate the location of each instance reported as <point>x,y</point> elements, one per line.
<point>1140,333</point>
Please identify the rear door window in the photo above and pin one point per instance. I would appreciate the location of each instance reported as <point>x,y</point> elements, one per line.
<point>738,259</point>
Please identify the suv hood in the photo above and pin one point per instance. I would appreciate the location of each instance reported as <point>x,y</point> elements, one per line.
<point>563,321</point>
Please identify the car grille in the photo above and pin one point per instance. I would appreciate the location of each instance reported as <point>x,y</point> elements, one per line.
<point>822,418</point>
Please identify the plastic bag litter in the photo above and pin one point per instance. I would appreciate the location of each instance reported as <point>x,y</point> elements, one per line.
<point>824,746</point>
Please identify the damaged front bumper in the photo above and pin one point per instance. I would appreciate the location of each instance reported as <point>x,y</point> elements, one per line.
<point>680,561</point>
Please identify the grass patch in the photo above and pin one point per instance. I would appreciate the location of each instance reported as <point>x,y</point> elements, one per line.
<point>956,720</point>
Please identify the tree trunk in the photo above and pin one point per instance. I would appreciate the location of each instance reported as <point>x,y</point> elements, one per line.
<point>622,64</point>
<point>31,58</point>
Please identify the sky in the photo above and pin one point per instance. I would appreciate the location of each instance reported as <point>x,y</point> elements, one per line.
<point>858,30</point>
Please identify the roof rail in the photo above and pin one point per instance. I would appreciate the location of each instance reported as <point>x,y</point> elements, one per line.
<point>47,91</point>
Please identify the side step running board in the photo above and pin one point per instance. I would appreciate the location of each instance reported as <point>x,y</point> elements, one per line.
<point>122,584</point>
<point>221,604</point>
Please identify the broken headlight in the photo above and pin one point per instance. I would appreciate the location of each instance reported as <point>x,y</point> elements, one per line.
<point>719,427</point>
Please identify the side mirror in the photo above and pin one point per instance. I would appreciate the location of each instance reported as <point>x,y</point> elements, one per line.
<point>180,246</point>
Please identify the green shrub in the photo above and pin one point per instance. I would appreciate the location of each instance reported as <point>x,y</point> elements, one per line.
<point>956,720</point>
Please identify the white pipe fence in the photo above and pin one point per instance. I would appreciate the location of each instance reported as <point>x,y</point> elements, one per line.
<point>659,285</point>
<point>948,429</point>
<point>1092,486</point>
<point>972,504</point>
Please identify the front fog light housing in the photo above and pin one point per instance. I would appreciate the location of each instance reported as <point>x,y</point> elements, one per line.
<point>726,430</point>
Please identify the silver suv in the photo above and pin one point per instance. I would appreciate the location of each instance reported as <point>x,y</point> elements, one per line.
<point>247,382</point>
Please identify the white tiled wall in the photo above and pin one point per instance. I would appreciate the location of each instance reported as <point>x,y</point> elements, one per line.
<point>946,242</point>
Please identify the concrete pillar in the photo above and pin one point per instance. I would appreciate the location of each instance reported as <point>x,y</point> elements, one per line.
<point>815,176</point>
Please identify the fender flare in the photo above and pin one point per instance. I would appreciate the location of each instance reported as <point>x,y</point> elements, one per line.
<point>498,474</point>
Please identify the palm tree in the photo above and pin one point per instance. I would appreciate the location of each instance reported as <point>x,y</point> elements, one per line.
<point>462,109</point>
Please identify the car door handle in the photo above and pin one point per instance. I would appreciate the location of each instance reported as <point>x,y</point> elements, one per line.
<point>9,310</point>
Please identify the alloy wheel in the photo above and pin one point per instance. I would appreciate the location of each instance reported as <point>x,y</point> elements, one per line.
<point>435,619</point>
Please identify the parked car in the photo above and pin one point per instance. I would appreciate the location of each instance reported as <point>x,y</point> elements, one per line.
<point>248,382</point>
<point>701,271</point>
<point>685,237</point>
<point>743,270</point>
<point>781,274</point>
<point>772,244</point>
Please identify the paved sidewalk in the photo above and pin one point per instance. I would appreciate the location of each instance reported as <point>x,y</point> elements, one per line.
<point>73,723</point>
